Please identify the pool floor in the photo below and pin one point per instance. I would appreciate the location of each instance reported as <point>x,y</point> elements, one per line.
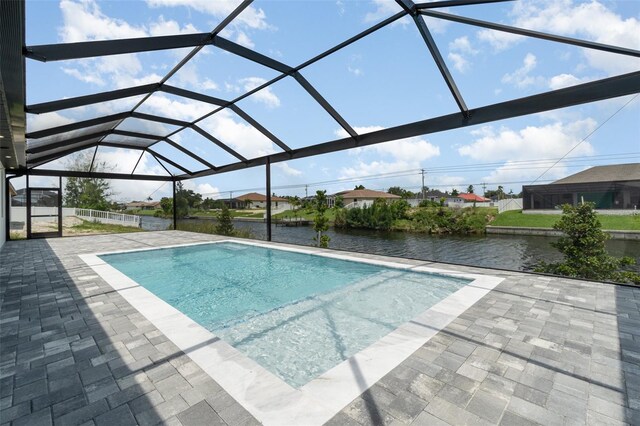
<point>270,399</point>
<point>296,314</point>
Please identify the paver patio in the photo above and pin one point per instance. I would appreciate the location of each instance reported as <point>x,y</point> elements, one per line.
<point>535,350</point>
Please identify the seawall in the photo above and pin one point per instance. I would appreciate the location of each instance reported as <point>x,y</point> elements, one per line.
<point>550,232</point>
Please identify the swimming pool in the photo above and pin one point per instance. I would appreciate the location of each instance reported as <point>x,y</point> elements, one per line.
<point>232,349</point>
<point>298,315</point>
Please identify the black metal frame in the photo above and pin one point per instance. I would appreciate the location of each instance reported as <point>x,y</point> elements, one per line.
<point>30,215</point>
<point>589,92</point>
<point>39,154</point>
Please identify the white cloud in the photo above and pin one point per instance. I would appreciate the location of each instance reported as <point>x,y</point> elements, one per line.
<point>355,71</point>
<point>288,170</point>
<point>459,62</point>
<point>245,139</point>
<point>446,182</point>
<point>87,77</point>
<point>404,154</point>
<point>499,40</point>
<point>84,21</point>
<point>209,85</point>
<point>45,121</point>
<point>589,20</point>
<point>130,81</point>
<point>458,49</point>
<point>520,77</point>
<point>240,136</point>
<point>463,45</point>
<point>123,161</point>
<point>251,17</point>
<point>384,9</point>
<point>565,80</point>
<point>207,190</point>
<point>387,8</point>
<point>408,149</point>
<point>548,141</point>
<point>531,143</point>
<point>243,39</point>
<point>362,168</point>
<point>181,109</point>
<point>265,96</point>
<point>163,28</point>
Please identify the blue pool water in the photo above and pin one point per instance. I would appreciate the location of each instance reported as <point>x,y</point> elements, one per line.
<point>297,315</point>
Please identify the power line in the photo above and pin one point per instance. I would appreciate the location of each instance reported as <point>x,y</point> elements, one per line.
<point>586,137</point>
<point>518,165</point>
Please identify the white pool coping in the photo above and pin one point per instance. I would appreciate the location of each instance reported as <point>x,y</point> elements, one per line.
<point>267,397</point>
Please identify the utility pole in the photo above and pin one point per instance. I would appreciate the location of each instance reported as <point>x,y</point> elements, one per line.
<point>484,188</point>
<point>306,194</point>
<point>422,189</point>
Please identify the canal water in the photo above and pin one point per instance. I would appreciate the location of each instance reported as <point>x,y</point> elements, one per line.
<point>515,252</point>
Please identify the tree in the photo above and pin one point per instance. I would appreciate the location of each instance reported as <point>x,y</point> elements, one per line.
<point>454,193</point>
<point>87,193</point>
<point>182,201</point>
<point>166,204</point>
<point>320,221</point>
<point>358,187</point>
<point>497,194</point>
<point>338,202</point>
<point>584,250</point>
<point>225,224</point>
<point>210,203</point>
<point>401,192</point>
<point>470,189</point>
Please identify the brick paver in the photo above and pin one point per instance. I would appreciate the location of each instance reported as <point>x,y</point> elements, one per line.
<point>536,350</point>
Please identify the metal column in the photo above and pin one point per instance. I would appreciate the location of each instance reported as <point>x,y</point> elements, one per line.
<point>60,206</point>
<point>268,171</point>
<point>175,207</point>
<point>28,195</point>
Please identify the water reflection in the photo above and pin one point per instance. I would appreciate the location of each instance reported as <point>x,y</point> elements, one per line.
<point>517,252</point>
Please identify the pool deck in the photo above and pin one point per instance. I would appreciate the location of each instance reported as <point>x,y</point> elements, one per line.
<point>535,350</point>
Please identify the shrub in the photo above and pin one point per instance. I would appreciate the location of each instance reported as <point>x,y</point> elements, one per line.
<point>583,248</point>
<point>224,225</point>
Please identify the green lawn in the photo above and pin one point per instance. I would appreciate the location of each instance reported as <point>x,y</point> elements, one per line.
<point>142,212</point>
<point>97,227</point>
<point>233,213</point>
<point>305,214</point>
<point>517,218</point>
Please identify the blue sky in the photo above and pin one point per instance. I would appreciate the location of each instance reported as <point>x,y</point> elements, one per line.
<point>384,80</point>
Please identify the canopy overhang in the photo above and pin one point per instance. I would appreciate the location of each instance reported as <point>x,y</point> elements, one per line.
<point>33,149</point>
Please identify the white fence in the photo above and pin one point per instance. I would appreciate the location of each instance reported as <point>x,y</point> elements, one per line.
<point>19,214</point>
<point>510,204</point>
<point>108,217</point>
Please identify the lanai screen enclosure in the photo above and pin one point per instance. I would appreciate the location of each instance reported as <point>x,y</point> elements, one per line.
<point>25,152</point>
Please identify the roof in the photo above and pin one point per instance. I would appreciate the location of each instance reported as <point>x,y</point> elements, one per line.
<point>473,197</point>
<point>611,173</point>
<point>129,127</point>
<point>435,193</point>
<point>367,193</point>
<point>12,190</point>
<point>254,196</point>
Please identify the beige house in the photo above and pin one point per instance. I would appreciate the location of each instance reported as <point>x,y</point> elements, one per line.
<point>253,200</point>
<point>362,197</point>
<point>143,205</point>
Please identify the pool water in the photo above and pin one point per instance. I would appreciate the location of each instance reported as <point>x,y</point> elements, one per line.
<point>298,315</point>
